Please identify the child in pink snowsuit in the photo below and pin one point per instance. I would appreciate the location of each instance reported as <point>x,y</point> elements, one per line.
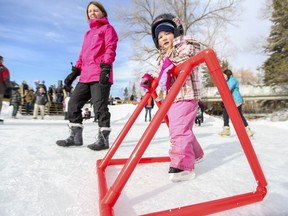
<point>185,150</point>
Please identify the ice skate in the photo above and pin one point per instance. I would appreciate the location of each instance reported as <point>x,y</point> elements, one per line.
<point>177,175</point>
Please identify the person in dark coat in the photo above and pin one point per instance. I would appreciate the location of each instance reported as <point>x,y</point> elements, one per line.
<point>40,102</point>
<point>15,100</point>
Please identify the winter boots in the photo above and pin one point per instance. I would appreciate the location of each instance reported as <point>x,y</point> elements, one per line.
<point>249,132</point>
<point>75,138</point>
<point>102,141</point>
<point>225,132</point>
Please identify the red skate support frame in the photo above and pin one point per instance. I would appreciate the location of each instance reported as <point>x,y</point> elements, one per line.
<point>108,196</point>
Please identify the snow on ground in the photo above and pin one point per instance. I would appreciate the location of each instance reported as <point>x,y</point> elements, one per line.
<point>37,177</point>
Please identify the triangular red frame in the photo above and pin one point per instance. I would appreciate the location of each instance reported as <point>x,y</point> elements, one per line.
<point>109,196</point>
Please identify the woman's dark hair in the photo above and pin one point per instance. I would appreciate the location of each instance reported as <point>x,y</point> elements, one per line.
<point>228,73</point>
<point>99,5</point>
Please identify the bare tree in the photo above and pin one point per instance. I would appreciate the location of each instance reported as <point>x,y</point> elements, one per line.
<point>246,76</point>
<point>207,20</point>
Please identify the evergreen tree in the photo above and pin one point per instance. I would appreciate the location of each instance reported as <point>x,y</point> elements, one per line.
<point>134,92</point>
<point>207,78</point>
<point>276,66</point>
<point>126,94</point>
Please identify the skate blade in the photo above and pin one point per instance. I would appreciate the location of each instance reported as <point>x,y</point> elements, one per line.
<point>182,176</point>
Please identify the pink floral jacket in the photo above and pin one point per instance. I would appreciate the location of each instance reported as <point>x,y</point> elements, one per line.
<point>185,47</point>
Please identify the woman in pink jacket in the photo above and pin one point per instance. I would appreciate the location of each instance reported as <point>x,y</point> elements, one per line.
<point>174,48</point>
<point>94,66</point>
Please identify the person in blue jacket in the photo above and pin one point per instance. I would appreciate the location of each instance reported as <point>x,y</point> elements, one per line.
<point>233,85</point>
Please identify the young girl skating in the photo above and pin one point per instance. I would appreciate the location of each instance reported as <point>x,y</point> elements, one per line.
<point>175,48</point>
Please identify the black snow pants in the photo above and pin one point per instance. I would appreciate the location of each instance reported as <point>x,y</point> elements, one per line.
<point>99,96</point>
<point>226,117</point>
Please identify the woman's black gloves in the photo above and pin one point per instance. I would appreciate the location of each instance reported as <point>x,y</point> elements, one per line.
<point>105,74</point>
<point>70,78</point>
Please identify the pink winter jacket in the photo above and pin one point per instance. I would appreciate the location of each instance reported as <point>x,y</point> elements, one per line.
<point>99,46</point>
<point>185,47</point>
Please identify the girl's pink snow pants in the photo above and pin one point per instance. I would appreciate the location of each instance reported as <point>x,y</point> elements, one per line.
<point>184,147</point>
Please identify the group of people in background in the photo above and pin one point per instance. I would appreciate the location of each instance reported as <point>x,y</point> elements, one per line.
<point>94,68</point>
<point>28,98</point>
<point>32,100</point>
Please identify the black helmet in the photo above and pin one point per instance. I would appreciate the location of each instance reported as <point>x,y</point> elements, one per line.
<point>175,21</point>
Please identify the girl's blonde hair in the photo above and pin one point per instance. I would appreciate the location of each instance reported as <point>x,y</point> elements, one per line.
<point>99,5</point>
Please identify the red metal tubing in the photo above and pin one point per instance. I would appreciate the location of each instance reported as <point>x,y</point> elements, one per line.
<point>109,197</point>
<point>235,117</point>
<point>102,188</point>
<point>211,207</point>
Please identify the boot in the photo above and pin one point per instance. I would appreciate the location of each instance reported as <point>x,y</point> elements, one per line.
<point>249,132</point>
<point>225,132</point>
<point>102,141</point>
<point>75,138</point>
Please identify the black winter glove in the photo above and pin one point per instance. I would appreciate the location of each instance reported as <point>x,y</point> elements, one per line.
<point>105,74</point>
<point>70,78</point>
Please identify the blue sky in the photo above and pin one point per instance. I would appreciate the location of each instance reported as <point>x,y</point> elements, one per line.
<point>39,39</point>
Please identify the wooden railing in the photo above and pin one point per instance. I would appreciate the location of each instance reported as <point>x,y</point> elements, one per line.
<point>50,109</point>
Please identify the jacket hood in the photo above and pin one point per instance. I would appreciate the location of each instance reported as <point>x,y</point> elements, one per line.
<point>98,22</point>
